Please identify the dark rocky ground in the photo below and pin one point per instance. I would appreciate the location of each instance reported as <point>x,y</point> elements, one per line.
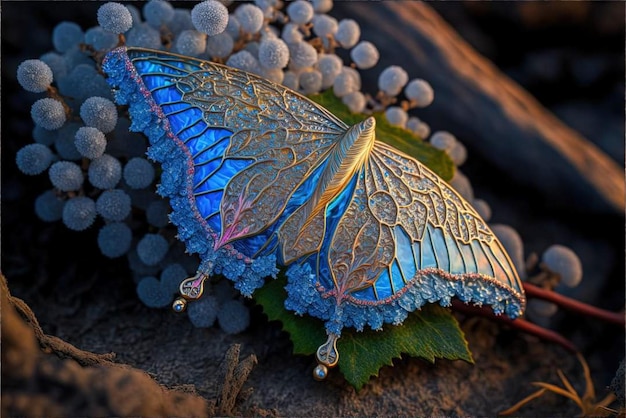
<point>570,57</point>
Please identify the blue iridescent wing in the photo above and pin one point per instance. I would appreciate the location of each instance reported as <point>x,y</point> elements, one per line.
<point>238,152</point>
<point>403,238</point>
<point>259,176</point>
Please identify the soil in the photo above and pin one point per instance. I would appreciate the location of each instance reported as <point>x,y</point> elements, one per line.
<point>173,368</point>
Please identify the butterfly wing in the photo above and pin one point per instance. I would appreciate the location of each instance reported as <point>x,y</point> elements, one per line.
<point>237,151</point>
<point>405,238</point>
<point>243,161</point>
<point>241,156</point>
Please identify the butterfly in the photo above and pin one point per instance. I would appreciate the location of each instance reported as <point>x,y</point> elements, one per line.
<point>259,176</point>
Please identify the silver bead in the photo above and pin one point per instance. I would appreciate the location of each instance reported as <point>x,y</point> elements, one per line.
<point>179,305</point>
<point>320,372</point>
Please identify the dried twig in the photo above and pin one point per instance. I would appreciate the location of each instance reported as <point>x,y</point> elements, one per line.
<point>233,375</point>
<point>519,323</point>
<point>573,305</point>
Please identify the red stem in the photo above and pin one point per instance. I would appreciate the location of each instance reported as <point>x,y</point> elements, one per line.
<point>519,323</point>
<point>616,318</point>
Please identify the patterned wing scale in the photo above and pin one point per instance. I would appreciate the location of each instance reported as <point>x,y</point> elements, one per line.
<point>417,226</point>
<point>250,151</point>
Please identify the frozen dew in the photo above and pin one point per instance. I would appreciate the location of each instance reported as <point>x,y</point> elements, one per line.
<point>100,113</point>
<point>392,80</point>
<point>252,48</point>
<point>82,83</point>
<point>57,64</point>
<point>311,81</point>
<point>418,127</point>
<point>300,12</point>
<point>270,32</point>
<point>233,317</point>
<point>49,207</point>
<point>65,143</point>
<point>90,142</point>
<point>135,13</point>
<point>291,80</point>
<point>324,25</point>
<point>144,36</point>
<point>113,205</point>
<point>114,18</point>
<point>346,82</point>
<point>291,34</point>
<point>343,85</point>
<point>48,113</point>
<point>365,55</point>
<point>268,7</point>
<point>563,261</point>
<point>77,55</point>
<point>244,60</point>
<point>273,53</point>
<point>348,33</point>
<point>158,12</point>
<point>322,6</point>
<point>250,18</point>
<point>180,22</point>
<point>105,172</point>
<point>66,176</point>
<point>138,173</point>
<point>172,276</point>
<point>396,116</point>
<point>355,101</point>
<point>152,248</point>
<point>44,136</point>
<point>202,313</point>
<point>33,159</point>
<point>100,39</point>
<point>330,66</point>
<point>152,294</point>
<point>114,239</point>
<point>66,35</point>
<point>458,154</point>
<point>210,17</point>
<point>34,75</point>
<point>220,45</point>
<point>302,54</point>
<point>191,42</point>
<point>233,28</point>
<point>443,140</point>
<point>419,92</point>
<point>79,213</point>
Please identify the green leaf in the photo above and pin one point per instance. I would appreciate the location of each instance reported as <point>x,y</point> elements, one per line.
<point>404,140</point>
<point>306,333</point>
<point>429,333</point>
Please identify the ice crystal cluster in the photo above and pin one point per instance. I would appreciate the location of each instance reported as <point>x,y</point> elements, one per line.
<point>98,170</point>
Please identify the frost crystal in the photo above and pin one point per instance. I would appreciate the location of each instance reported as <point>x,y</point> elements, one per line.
<point>48,113</point>
<point>34,76</point>
<point>114,17</point>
